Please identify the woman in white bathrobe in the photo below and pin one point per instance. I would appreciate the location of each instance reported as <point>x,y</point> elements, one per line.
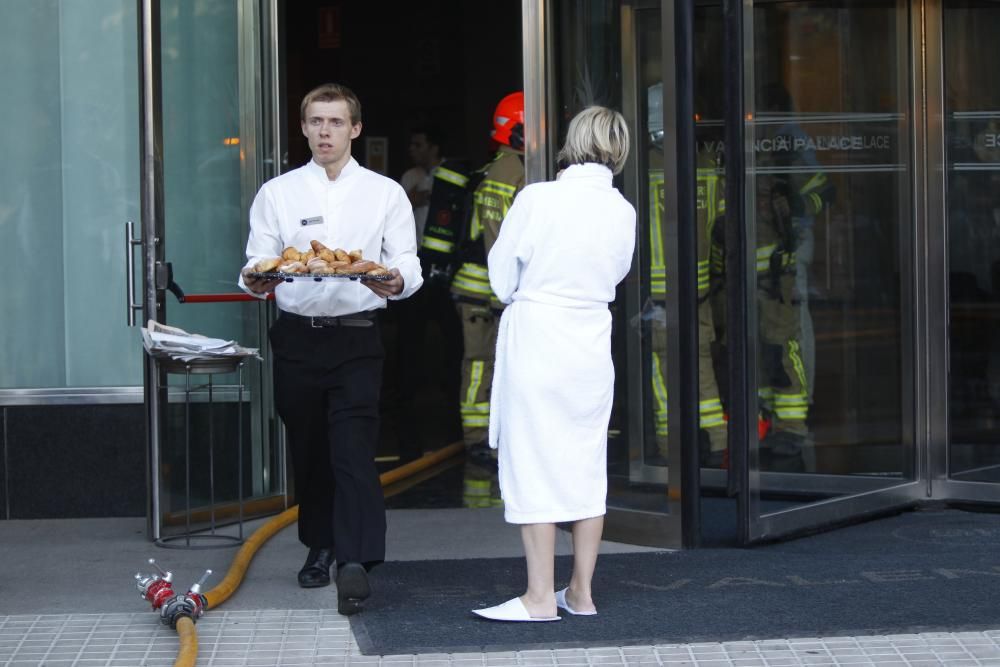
<point>562,249</point>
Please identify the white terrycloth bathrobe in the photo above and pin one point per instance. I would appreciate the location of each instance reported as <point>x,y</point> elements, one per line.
<point>562,249</point>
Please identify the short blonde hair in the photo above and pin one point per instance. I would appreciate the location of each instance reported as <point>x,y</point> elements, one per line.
<point>597,134</point>
<point>331,92</point>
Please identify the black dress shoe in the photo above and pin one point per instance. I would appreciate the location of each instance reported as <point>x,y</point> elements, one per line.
<point>352,588</point>
<point>316,572</point>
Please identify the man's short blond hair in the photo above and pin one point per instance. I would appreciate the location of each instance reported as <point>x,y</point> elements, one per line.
<point>331,92</point>
<point>597,134</point>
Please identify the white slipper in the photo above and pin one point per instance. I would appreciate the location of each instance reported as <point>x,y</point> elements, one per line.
<point>511,610</point>
<point>562,604</point>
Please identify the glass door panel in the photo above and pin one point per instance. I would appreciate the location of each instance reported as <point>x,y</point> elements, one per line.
<point>610,53</point>
<point>211,119</point>
<point>828,190</point>
<point>972,144</point>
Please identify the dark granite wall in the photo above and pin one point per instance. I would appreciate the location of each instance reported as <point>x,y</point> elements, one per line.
<point>3,463</point>
<point>73,461</point>
<point>68,461</point>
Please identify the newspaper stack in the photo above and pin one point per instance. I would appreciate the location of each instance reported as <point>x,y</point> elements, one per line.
<point>159,339</point>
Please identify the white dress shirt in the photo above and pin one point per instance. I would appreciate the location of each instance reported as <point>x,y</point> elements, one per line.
<point>360,210</point>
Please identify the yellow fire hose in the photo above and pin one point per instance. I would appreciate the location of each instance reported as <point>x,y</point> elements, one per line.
<point>188,652</point>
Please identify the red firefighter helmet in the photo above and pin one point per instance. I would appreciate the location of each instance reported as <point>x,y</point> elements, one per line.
<point>508,115</point>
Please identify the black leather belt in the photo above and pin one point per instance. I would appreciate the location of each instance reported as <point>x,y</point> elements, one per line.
<point>364,319</point>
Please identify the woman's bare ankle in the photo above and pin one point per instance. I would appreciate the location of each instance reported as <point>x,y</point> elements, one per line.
<point>580,601</point>
<point>540,606</point>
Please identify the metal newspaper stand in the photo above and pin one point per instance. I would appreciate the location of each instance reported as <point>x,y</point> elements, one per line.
<point>193,370</point>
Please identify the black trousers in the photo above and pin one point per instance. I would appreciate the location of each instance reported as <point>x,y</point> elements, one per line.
<point>326,387</point>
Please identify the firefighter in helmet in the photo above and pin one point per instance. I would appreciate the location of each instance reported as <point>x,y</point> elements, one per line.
<point>498,182</point>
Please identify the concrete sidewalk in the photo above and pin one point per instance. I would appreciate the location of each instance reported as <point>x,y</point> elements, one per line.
<point>68,597</point>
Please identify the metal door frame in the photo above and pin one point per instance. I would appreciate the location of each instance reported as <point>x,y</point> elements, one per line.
<point>940,483</point>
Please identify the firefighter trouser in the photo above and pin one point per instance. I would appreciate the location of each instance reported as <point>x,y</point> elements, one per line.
<point>710,415</point>
<point>479,335</point>
<point>782,385</point>
<point>807,339</point>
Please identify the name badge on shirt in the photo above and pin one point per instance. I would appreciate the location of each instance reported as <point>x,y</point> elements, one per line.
<point>305,222</point>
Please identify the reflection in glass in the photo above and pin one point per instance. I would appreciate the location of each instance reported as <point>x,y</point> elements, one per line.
<point>201,158</point>
<point>828,198</point>
<point>653,260</point>
<point>588,62</point>
<point>973,159</point>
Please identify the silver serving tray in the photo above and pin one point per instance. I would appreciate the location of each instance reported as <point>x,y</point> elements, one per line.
<point>291,277</point>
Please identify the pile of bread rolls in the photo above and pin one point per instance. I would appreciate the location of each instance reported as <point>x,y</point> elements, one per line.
<point>321,261</point>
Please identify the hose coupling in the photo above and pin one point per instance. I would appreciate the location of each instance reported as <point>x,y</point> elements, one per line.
<point>156,588</point>
<point>187,605</point>
<point>191,604</point>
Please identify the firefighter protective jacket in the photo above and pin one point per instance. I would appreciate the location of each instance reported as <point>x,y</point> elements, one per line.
<point>503,179</point>
<point>445,213</point>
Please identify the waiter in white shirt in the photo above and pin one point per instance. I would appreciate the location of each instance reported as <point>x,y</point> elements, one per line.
<point>326,342</point>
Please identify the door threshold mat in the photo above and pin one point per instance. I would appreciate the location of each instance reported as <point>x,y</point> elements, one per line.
<point>921,571</point>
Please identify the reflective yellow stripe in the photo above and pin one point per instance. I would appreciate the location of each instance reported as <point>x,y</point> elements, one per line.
<point>475,227</point>
<point>497,187</point>
<point>474,278</point>
<point>816,182</point>
<point>710,413</point>
<point>796,413</point>
<point>475,414</point>
<point>656,194</point>
<point>704,275</point>
<point>450,176</point>
<point>660,396</point>
<point>790,400</point>
<point>791,407</point>
<point>432,243</point>
<point>471,286</point>
<point>764,257</point>
<point>470,421</point>
<point>817,202</point>
<point>711,421</point>
<point>800,371</point>
<point>474,270</point>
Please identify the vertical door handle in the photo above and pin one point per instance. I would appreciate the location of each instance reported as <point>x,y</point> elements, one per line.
<point>130,242</point>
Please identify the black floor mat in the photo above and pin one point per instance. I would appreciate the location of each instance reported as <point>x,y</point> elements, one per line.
<point>917,572</point>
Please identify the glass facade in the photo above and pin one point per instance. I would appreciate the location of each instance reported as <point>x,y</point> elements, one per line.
<point>68,183</point>
<point>71,180</point>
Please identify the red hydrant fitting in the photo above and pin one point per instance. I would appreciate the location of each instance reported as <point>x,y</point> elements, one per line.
<point>157,589</point>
